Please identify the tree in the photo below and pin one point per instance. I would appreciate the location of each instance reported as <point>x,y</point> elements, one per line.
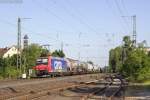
<point>127,41</point>
<point>115,59</point>
<point>132,62</point>
<point>58,53</point>
<point>45,53</point>
<point>30,55</point>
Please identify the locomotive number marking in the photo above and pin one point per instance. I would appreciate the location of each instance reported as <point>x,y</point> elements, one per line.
<point>58,65</point>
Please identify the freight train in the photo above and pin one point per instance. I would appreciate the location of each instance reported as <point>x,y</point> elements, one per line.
<point>55,66</point>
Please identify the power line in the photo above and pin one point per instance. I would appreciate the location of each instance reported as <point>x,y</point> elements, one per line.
<point>44,35</point>
<point>121,13</point>
<point>75,9</point>
<point>118,7</point>
<point>27,29</point>
<point>46,9</point>
<point>47,36</point>
<point>81,21</point>
<point>123,5</point>
<point>30,31</point>
<point>115,15</point>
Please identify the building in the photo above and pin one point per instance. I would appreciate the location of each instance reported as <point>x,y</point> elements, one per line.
<point>8,51</point>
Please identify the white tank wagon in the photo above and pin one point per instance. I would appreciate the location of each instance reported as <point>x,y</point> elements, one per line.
<point>73,64</point>
<point>78,67</point>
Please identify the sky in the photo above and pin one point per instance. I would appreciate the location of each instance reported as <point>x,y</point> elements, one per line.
<point>88,29</point>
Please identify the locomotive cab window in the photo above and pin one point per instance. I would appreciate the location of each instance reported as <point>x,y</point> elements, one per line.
<point>42,61</point>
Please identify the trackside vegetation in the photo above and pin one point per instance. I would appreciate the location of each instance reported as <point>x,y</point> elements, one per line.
<point>8,66</point>
<point>130,61</point>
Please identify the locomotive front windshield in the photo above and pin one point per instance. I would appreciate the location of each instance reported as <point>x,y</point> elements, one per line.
<point>41,61</point>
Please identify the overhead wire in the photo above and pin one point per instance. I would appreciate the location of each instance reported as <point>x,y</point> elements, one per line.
<point>80,14</point>
<point>50,12</point>
<point>124,6</point>
<point>47,36</point>
<point>74,16</point>
<point>124,29</point>
<point>114,13</point>
<point>121,13</point>
<point>78,18</point>
<point>127,14</point>
<point>26,29</point>
<point>41,35</point>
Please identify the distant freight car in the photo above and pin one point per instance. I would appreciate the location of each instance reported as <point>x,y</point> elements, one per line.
<point>51,66</point>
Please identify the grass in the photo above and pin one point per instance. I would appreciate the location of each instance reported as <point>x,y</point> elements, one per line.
<point>141,83</point>
<point>146,82</point>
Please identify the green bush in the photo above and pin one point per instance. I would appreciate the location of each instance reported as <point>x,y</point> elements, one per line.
<point>11,72</point>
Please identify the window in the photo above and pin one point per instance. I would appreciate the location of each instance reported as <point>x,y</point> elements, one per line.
<point>41,61</point>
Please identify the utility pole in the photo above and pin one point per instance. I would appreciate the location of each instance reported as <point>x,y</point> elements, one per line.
<point>134,30</point>
<point>79,46</point>
<point>19,48</point>
<point>62,46</point>
<point>134,34</point>
<point>19,64</point>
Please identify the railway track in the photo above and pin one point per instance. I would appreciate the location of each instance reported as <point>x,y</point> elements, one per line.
<point>104,92</point>
<point>84,88</point>
<point>36,87</point>
<point>20,82</point>
<point>109,92</point>
<point>38,94</point>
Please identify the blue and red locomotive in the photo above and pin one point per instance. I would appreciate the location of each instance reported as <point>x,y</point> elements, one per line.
<point>51,66</point>
<point>56,66</point>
